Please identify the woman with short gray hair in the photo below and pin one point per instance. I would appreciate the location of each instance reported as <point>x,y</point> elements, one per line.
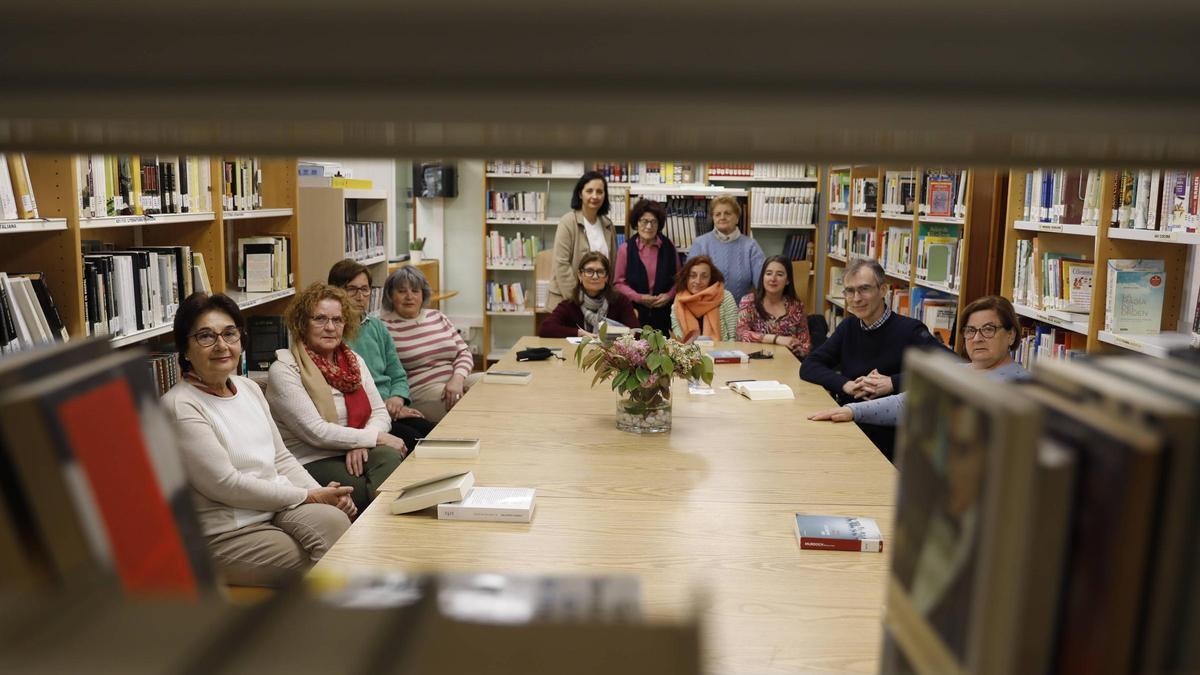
<point>437,359</point>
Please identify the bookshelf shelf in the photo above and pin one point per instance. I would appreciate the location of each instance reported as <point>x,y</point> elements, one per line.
<point>373,260</point>
<point>510,268</point>
<point>897,276</point>
<point>749,179</point>
<point>836,302</point>
<point>538,176</point>
<point>901,217</point>
<point>1045,317</point>
<point>935,286</point>
<point>808,226</point>
<point>865,214</point>
<point>838,212</point>
<point>521,222</point>
<point>686,190</point>
<point>948,220</point>
<point>247,300</point>
<point>133,338</point>
<point>354,193</point>
<point>1055,228</point>
<point>527,312</point>
<point>1173,237</point>
<point>256,213</point>
<point>32,225</point>
<point>1151,345</point>
<point>135,221</point>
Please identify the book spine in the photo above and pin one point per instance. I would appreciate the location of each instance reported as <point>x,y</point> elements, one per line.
<point>836,544</point>
<point>446,512</point>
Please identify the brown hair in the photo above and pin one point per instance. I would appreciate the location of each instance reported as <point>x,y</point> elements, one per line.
<point>789,289</point>
<point>299,310</point>
<point>1003,309</point>
<point>642,207</point>
<point>192,309</point>
<point>593,256</point>
<point>346,270</point>
<point>682,277</point>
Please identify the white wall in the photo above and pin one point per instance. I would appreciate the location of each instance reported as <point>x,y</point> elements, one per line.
<point>454,227</point>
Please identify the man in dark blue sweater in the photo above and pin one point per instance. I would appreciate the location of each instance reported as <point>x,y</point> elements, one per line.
<point>862,359</point>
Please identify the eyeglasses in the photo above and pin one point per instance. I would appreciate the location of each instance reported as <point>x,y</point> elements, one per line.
<point>647,222</point>
<point>594,273</point>
<point>987,330</point>
<point>357,290</point>
<point>865,289</point>
<point>207,338</point>
<point>322,320</point>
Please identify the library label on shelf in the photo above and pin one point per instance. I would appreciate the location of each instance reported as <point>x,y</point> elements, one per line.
<point>1046,317</point>
<point>32,225</point>
<point>1055,228</point>
<point>1152,345</point>
<point>247,300</point>
<point>256,213</point>
<point>145,219</point>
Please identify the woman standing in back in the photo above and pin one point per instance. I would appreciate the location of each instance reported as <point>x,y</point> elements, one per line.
<point>646,266</point>
<point>586,228</point>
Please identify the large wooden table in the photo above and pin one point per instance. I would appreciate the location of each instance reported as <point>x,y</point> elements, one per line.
<point>707,506</point>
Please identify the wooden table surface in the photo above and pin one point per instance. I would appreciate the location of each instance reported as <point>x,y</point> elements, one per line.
<point>707,507</point>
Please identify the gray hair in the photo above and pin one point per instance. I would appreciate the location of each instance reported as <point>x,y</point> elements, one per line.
<point>857,264</point>
<point>405,277</point>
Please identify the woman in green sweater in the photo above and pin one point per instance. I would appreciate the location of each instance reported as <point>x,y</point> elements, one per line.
<point>374,344</point>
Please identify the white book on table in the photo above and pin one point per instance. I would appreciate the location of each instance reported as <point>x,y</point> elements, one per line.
<point>448,487</point>
<point>447,448</point>
<point>763,390</point>
<point>493,504</point>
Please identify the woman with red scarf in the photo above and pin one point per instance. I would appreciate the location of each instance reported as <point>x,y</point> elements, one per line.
<point>329,412</point>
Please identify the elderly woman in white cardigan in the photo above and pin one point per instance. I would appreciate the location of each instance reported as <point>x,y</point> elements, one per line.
<point>264,517</point>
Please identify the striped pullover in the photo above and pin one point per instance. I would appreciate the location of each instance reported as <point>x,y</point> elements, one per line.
<point>429,347</point>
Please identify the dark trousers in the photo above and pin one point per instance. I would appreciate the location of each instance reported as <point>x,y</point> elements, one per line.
<point>381,462</point>
<point>655,317</point>
<point>411,430</point>
<point>884,438</point>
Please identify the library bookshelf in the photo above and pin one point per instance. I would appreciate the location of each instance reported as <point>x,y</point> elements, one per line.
<point>322,213</point>
<point>1100,243</point>
<point>501,329</point>
<point>52,245</point>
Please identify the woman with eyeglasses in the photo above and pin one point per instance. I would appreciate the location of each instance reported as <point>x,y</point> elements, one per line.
<point>264,517</point>
<point>322,396</point>
<point>374,344</point>
<point>646,266</point>
<point>990,331</point>
<point>437,358</point>
<point>595,302</point>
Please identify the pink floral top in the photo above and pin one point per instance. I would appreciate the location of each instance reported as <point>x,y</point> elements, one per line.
<point>751,327</point>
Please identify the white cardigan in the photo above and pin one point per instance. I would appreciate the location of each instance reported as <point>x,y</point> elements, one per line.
<point>304,431</point>
<point>233,486</point>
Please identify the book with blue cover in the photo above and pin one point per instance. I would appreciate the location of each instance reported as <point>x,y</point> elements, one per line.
<point>1134,301</point>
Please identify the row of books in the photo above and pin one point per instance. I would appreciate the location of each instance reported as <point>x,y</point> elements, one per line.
<point>524,206</point>
<point>862,242</point>
<point>648,173</point>
<point>839,238</point>
<point>164,370</point>
<point>1066,196</point>
<point>28,315</point>
<point>687,218</point>
<point>506,297</point>
<point>524,167</point>
<point>264,263</point>
<point>515,251</point>
<point>898,300</point>
<point>939,254</point>
<point>1158,199</point>
<point>762,170</point>
<point>127,185</point>
<point>800,246</point>
<point>943,193</point>
<point>1043,341</point>
<point>1047,525</point>
<point>365,240</point>
<point>16,189</point>
<point>783,206</point>
<point>839,191</point>
<point>241,184</point>
<point>866,196</point>
<point>937,310</point>
<point>134,289</point>
<point>899,192</point>
<point>897,250</point>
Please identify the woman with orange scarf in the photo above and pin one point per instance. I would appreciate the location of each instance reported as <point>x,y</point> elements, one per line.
<point>702,305</point>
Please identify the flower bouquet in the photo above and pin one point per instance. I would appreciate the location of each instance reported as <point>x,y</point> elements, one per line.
<point>641,368</point>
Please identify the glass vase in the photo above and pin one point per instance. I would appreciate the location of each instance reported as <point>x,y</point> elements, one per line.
<point>645,411</point>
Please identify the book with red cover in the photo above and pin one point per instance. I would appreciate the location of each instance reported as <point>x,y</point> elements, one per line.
<point>729,356</point>
<point>838,533</point>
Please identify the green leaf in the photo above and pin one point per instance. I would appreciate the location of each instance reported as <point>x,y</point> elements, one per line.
<point>642,375</point>
<point>603,332</point>
<point>666,366</point>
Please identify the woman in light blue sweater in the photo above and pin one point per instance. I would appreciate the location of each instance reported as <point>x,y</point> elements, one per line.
<point>739,258</point>
<point>989,328</point>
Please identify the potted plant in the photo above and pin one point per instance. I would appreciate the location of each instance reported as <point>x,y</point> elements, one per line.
<point>415,248</point>
<point>641,368</point>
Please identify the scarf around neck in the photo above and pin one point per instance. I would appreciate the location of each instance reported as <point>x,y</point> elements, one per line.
<point>707,303</point>
<point>726,238</point>
<point>595,310</point>
<point>318,374</point>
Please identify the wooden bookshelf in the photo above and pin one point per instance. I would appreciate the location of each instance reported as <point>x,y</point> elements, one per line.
<point>320,225</point>
<point>1100,243</point>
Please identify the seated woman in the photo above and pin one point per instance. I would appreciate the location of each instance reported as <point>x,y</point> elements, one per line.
<point>437,359</point>
<point>264,517</point>
<point>646,266</point>
<point>989,327</point>
<point>323,398</point>
<point>375,346</point>
<point>772,313</point>
<point>594,301</point>
<point>702,305</point>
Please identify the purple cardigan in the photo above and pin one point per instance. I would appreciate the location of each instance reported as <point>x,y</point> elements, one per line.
<point>567,318</point>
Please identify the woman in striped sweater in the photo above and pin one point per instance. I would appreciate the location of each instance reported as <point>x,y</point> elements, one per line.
<point>436,358</point>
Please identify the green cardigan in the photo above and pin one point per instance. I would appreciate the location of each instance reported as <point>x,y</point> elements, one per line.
<point>375,345</point>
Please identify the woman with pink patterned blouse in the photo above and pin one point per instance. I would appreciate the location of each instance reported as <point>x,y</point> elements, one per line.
<point>772,313</point>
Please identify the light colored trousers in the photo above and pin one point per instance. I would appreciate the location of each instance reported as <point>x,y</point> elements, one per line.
<point>272,552</point>
<point>428,397</point>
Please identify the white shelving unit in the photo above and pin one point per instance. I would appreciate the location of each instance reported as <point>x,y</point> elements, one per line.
<point>1171,237</point>
<point>256,213</point>
<point>1056,228</point>
<point>1151,345</point>
<point>748,179</point>
<point>246,300</point>
<point>1047,317</point>
<point>935,286</point>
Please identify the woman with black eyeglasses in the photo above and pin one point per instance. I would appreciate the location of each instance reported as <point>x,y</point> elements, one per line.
<point>264,517</point>
<point>323,398</point>
<point>647,264</point>
<point>595,301</point>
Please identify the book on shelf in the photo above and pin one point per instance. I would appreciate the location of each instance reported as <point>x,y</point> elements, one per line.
<point>899,299</point>
<point>837,533</point>
<point>1041,341</point>
<point>782,206</point>
<point>923,297</point>
<point>447,487</point>
<point>264,263</point>
<point>508,377</point>
<point>447,448</point>
<point>519,167</point>
<point>506,297</point>
<point>648,173</point>
<point>515,251</point>
<point>838,237</point>
<point>16,189</point>
<point>241,184</point>
<point>799,245</point>
<point>1065,196</point>
<point>199,275</point>
<point>364,240</point>
<point>943,193</point>
<point>899,193</point>
<point>939,253</point>
<point>866,196</point>
<point>126,291</point>
<point>1155,199</point>
<point>1134,297</point>
<point>164,370</point>
<point>939,317</point>
<point>837,282</point>
<point>862,242</point>
<point>897,250</point>
<point>763,390</point>
<point>729,356</point>
<point>523,206</point>
<point>492,504</point>
<point>135,185</point>
<point>839,191</point>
